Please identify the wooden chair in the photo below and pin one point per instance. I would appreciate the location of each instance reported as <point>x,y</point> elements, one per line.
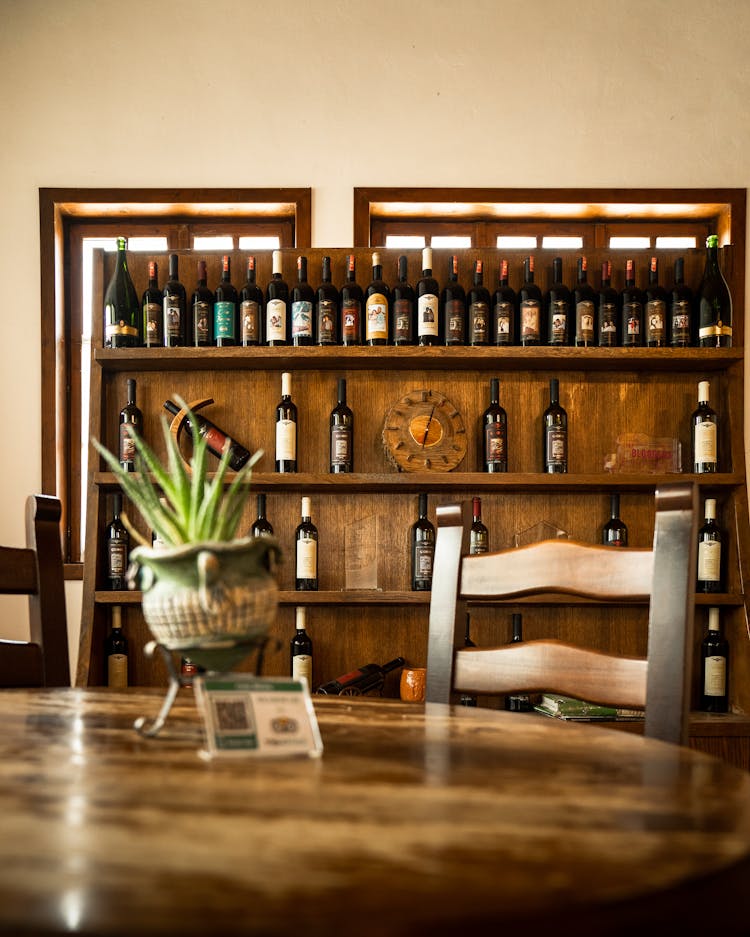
<point>37,571</point>
<point>664,574</point>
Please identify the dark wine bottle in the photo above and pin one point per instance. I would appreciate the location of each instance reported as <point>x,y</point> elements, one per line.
<point>555,432</point>
<point>557,304</point>
<point>131,421</point>
<point>468,699</point>
<point>584,305</point>
<point>278,311</point>
<point>377,306</point>
<point>495,432</point>
<point>517,702</point>
<point>681,309</point>
<point>302,299</point>
<point>714,302</point>
<point>504,304</point>
<point>151,304</point>
<point>351,306</point>
<point>705,426</point>
<point>714,667</point>
<point>428,312</point>
<point>175,307</point>
<point>202,310</point>
<point>122,310</point>
<point>215,438</point>
<point>326,307</point>
<point>453,306</point>
<point>607,310</point>
<point>251,308</point>
<point>226,326</point>
<point>710,559</point>
<point>479,536</point>
<point>262,527</point>
<point>422,549</point>
<point>631,305</point>
<point>478,309</point>
<point>116,652</point>
<point>614,532</point>
<point>306,554</point>
<point>286,428</point>
<point>362,680</point>
<point>402,307</point>
<point>529,307</point>
<point>341,430</point>
<point>301,648</point>
<point>117,545</point>
<point>655,309</point>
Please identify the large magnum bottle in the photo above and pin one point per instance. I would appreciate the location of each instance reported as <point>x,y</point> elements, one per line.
<point>202,310</point>
<point>402,306</point>
<point>714,302</point>
<point>377,303</point>
<point>554,433</point>
<point>495,432</point>
<point>422,549</point>
<point>251,308</point>
<point>361,680</point>
<point>215,437</point>
<point>306,560</point>
<point>478,309</point>
<point>705,433</point>
<point>584,304</point>
<point>226,327</point>
<point>631,305</point>
<point>302,299</point>
<point>529,307</point>
<point>278,315</point>
<point>504,309</point>
<point>151,303</point>
<point>326,307</point>
<point>557,304</point>
<point>655,309</point>
<point>428,317</point>
<point>131,420</point>
<point>351,306</point>
<point>607,310</point>
<point>175,307</point>
<point>453,305</point>
<point>714,667</point>
<point>681,309</point>
<point>122,308</point>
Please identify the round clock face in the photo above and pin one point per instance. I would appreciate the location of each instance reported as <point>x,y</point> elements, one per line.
<point>424,432</point>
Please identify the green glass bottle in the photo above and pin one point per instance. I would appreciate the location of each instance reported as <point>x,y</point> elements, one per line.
<point>122,306</point>
<point>714,302</point>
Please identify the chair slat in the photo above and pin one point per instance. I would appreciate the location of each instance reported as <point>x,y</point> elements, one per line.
<point>17,571</point>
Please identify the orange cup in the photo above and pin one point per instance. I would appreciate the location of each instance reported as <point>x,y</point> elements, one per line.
<point>412,684</point>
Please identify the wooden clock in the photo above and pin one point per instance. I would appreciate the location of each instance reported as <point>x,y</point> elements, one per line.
<point>424,432</point>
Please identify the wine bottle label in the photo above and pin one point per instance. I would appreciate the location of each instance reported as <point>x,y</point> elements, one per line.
<point>585,321</point>
<point>530,316</point>
<point>709,561</point>
<point>117,671</point>
<point>427,315</point>
<point>632,315</point>
<point>215,439</point>
<point>152,313</point>
<point>656,317</point>
<point>350,312</point>
<point>120,328</point>
<point>276,320</point>
<point>455,318</point>
<point>715,676</point>
<point>558,321</point>
<point>423,556</point>
<point>607,324</point>
<point>286,440</point>
<point>302,320</point>
<point>402,310</point>
<point>307,558</point>
<point>503,322</point>
<point>715,329</point>
<point>341,445</point>
<point>681,321</point>
<point>479,320</point>
<point>557,446</point>
<point>704,441</point>
<point>479,542</point>
<point>127,445</point>
<point>326,321</point>
<point>224,320</point>
<point>494,442</point>
<point>117,558</point>
<point>201,318</point>
<point>171,316</point>
<point>250,321</point>
<point>302,667</point>
<point>377,317</point>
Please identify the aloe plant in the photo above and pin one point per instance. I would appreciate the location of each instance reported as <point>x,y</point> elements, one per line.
<point>182,506</point>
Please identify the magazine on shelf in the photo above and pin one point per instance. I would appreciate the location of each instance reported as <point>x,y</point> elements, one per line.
<point>567,707</point>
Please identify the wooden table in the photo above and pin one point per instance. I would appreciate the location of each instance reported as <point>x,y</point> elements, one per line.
<point>452,822</point>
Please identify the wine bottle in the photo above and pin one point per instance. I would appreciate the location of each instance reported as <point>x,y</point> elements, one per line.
<point>175,307</point>
<point>478,309</point>
<point>117,544</point>
<point>495,432</point>
<point>377,302</point>
<point>301,648</point>
<point>607,310</point>
<point>557,306</point>
<point>116,652</point>
<point>555,432</point>
<point>251,308</point>
<point>428,315</point>
<point>479,536</point>
<point>681,315</point>
<point>705,433</point>
<point>226,326</point>
<point>157,542</point>
<point>286,428</point>
<point>278,313</point>
<point>710,560</point>
<point>714,302</point>
<point>631,304</point>
<point>262,527</point>
<point>715,667</point>
<point>504,309</point>
<point>614,532</point>
<point>121,306</point>
<point>215,438</point>
<point>151,304</point>
<point>351,306</point>
<point>302,299</point>
<point>362,680</point>
<point>655,309</point>
<point>584,304</point>
<point>422,549</point>
<point>341,429</point>
<point>453,306</point>
<point>202,310</point>
<point>306,558</point>
<point>467,699</point>
<point>529,307</point>
<point>326,307</point>
<point>402,307</point>
<point>517,702</point>
<point>131,421</point>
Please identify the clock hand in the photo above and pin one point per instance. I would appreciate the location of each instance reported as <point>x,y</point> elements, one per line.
<point>427,428</point>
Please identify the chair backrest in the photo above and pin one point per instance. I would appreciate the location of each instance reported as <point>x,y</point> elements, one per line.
<point>664,575</point>
<point>37,571</point>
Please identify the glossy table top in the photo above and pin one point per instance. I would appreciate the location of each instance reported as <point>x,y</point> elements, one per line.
<point>451,822</point>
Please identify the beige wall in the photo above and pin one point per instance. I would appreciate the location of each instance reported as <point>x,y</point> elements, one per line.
<point>332,94</point>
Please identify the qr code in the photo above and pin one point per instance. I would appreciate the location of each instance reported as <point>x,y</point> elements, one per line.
<point>231,715</point>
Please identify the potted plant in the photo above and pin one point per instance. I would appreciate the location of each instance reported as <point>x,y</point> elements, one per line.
<point>205,589</point>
